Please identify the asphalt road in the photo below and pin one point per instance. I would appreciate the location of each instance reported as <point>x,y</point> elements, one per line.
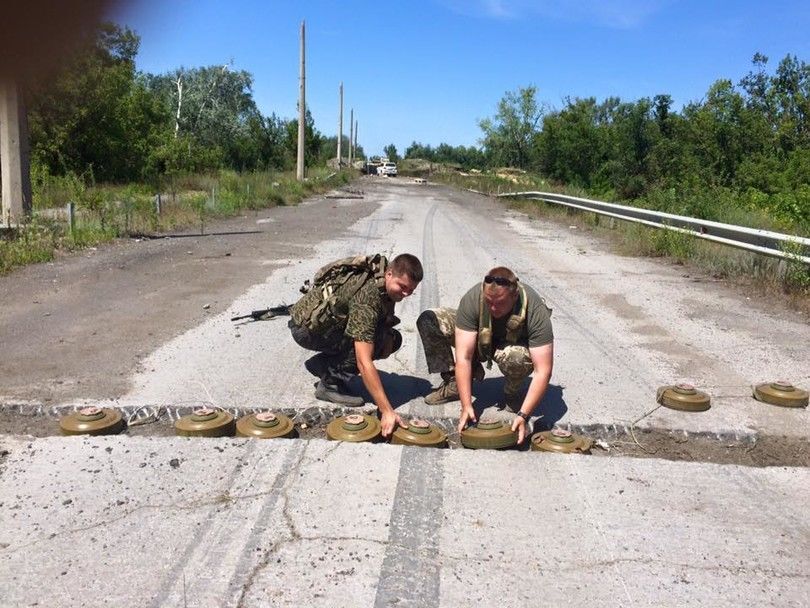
<point>161,521</point>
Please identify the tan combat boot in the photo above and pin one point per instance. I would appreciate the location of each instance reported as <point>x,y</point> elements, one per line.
<point>447,391</point>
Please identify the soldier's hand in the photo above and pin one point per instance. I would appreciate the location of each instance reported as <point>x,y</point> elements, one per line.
<point>467,415</point>
<point>389,422</point>
<point>519,425</point>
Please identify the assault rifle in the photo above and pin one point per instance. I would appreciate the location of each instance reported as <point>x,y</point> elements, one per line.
<point>265,314</point>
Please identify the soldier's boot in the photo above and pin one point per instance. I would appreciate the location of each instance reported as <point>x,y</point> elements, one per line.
<point>335,393</point>
<point>446,392</point>
<point>316,365</point>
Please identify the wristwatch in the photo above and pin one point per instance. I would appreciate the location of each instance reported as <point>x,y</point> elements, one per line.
<point>524,416</point>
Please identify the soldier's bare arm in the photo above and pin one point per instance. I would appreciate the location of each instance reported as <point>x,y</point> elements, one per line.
<point>543,362</point>
<point>465,351</point>
<point>364,351</point>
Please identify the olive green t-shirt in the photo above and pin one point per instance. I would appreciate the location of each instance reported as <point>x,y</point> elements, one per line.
<point>536,331</point>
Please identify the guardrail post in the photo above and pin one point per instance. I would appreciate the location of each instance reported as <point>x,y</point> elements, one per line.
<point>71,213</point>
<point>157,203</point>
<point>781,269</point>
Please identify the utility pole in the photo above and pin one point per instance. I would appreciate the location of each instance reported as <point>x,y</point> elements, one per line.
<point>351,134</point>
<point>15,165</point>
<point>302,107</point>
<point>340,130</point>
<point>354,147</point>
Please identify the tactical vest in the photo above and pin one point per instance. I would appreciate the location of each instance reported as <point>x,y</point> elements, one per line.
<point>513,325</point>
<point>322,313</point>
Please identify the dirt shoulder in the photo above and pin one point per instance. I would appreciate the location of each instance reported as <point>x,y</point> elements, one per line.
<point>77,327</point>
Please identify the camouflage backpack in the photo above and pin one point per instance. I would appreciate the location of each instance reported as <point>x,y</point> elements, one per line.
<point>323,312</point>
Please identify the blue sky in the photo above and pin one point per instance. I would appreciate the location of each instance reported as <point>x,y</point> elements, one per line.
<point>428,71</point>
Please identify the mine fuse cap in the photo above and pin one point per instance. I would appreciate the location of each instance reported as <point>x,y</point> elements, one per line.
<point>265,425</point>
<point>684,397</point>
<point>489,434</point>
<point>205,422</point>
<point>354,427</point>
<point>781,393</point>
<point>560,441</point>
<point>420,432</point>
<point>92,421</point>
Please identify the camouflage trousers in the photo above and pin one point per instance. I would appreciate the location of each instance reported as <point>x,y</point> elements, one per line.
<point>437,328</point>
<point>335,362</point>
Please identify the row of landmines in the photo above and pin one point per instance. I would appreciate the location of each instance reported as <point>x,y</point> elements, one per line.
<point>486,434</point>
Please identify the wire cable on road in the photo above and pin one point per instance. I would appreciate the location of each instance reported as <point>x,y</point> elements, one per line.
<point>633,424</point>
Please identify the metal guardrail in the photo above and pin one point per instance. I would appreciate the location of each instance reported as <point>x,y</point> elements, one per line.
<point>769,243</point>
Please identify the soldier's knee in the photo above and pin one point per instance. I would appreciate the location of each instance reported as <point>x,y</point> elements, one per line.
<point>514,361</point>
<point>391,343</point>
<point>427,322</point>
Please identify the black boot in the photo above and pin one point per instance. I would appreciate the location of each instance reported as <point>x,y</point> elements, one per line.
<point>337,393</point>
<point>317,365</point>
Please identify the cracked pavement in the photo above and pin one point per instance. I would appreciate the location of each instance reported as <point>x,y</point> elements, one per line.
<point>291,522</point>
<point>162,521</point>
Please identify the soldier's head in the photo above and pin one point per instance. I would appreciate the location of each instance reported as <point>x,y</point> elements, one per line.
<point>403,276</point>
<point>500,291</point>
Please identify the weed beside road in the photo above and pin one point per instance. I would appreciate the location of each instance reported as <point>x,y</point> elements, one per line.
<point>106,212</point>
<point>789,280</point>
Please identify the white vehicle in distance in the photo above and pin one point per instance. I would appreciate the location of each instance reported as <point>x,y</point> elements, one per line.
<point>388,169</point>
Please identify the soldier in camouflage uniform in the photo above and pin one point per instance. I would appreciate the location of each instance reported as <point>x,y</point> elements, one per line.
<point>348,317</point>
<point>498,320</point>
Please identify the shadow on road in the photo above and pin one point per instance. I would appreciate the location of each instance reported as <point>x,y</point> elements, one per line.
<point>489,393</point>
<point>400,388</point>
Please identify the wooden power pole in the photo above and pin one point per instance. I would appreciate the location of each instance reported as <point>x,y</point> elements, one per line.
<point>354,146</point>
<point>302,107</point>
<point>351,134</point>
<point>340,130</point>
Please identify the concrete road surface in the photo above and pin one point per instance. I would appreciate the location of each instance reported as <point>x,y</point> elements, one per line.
<point>223,522</point>
<point>163,521</point>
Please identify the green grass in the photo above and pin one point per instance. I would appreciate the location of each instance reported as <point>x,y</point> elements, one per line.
<point>104,212</point>
<point>766,275</point>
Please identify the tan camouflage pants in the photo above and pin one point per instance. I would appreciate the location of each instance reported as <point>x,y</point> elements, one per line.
<point>437,328</point>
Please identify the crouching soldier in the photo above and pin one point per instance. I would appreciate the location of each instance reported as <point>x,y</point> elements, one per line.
<point>501,320</point>
<point>347,316</point>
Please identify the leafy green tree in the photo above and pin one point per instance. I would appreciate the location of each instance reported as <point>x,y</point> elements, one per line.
<point>214,106</point>
<point>391,152</point>
<point>417,150</point>
<point>96,111</point>
<point>571,146</point>
<point>312,141</point>
<point>329,149</point>
<point>509,135</point>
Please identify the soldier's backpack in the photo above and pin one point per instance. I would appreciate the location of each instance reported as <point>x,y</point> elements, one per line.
<point>354,271</point>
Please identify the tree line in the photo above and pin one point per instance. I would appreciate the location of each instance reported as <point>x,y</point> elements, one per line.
<point>743,147</point>
<point>99,112</point>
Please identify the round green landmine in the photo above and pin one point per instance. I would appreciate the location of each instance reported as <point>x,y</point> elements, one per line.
<point>560,441</point>
<point>489,435</point>
<point>265,425</point>
<point>420,433</point>
<point>781,393</point>
<point>205,422</point>
<point>356,428</point>
<point>92,421</point>
<point>683,397</point>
